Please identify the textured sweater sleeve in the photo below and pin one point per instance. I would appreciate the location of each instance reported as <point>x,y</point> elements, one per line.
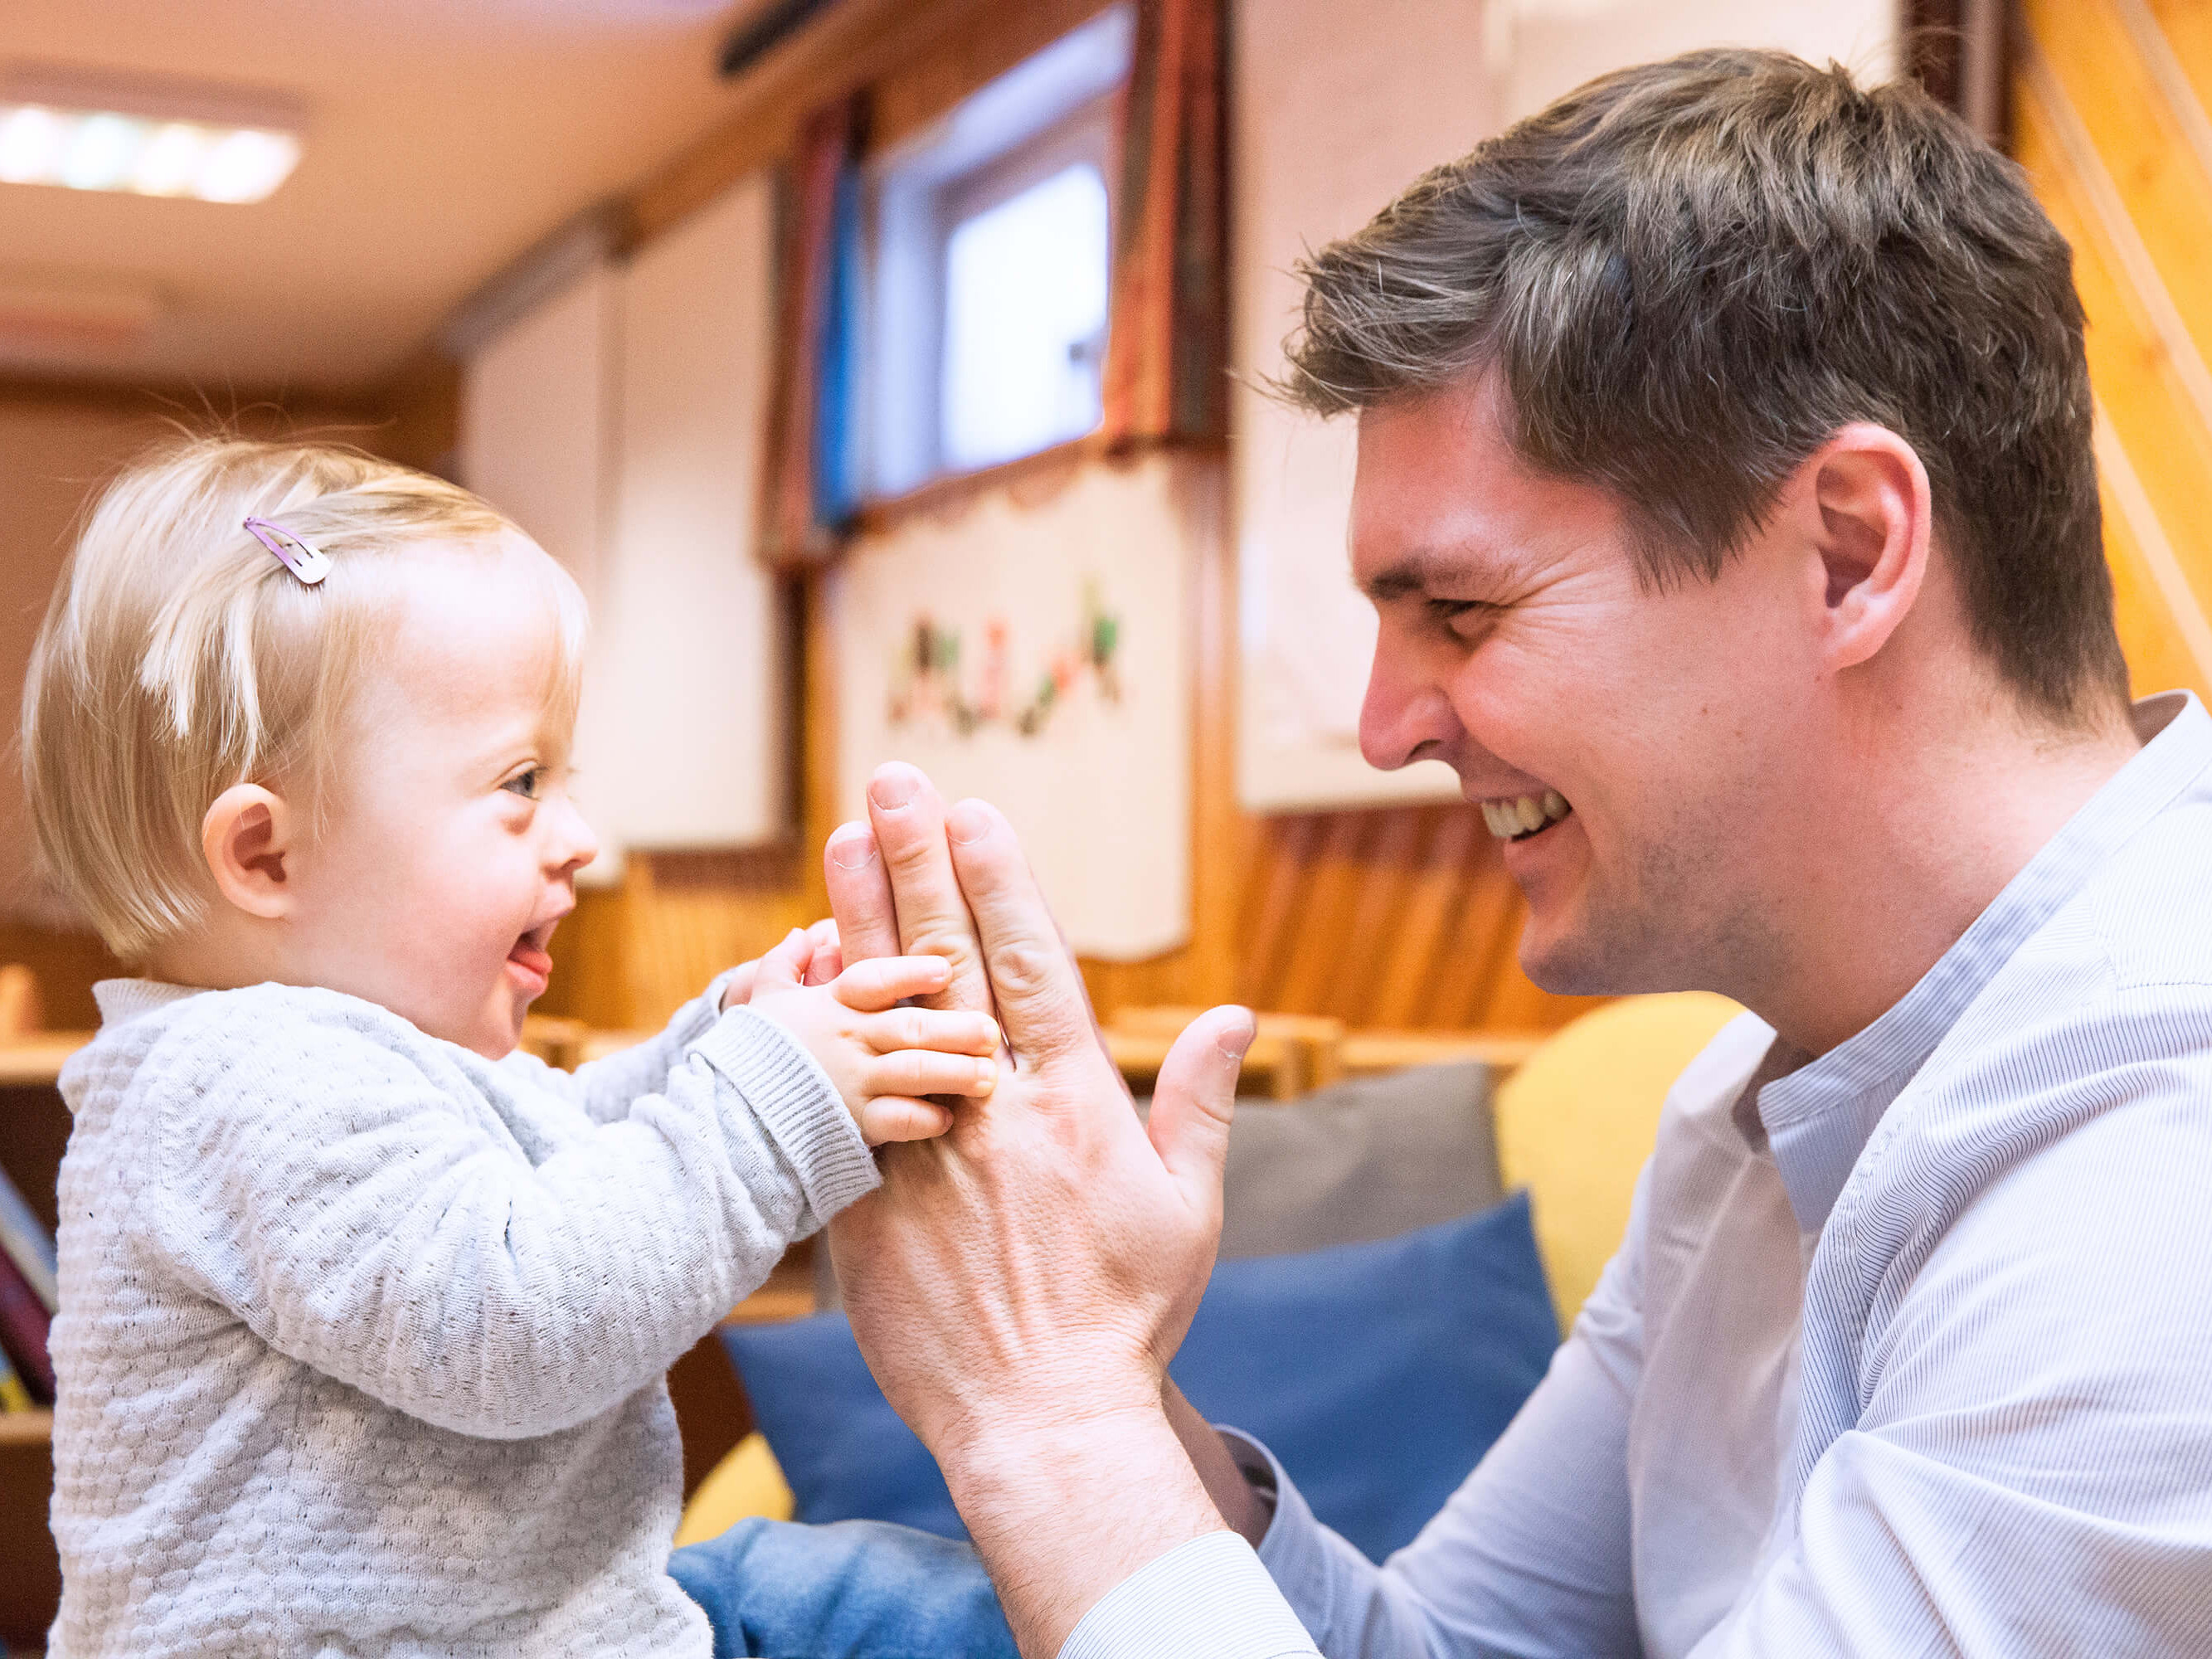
<point>364,1210</point>
<point>606,1088</point>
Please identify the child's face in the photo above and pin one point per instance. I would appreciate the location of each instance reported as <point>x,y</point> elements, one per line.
<point>450,845</point>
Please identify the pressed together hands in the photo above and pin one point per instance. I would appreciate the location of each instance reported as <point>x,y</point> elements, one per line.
<point>1032,1260</point>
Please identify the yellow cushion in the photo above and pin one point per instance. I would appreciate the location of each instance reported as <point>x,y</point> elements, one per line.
<point>1576,1122</point>
<point>745,1484</point>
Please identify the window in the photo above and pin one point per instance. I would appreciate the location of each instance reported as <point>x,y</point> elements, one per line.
<point>991,252</point>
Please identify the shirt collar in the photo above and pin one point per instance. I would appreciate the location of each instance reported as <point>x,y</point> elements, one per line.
<point>1818,1117</point>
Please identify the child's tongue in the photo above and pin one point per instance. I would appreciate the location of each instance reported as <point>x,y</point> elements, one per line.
<point>526,955</point>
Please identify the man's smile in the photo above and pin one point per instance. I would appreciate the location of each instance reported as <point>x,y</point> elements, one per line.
<point>1518,817</point>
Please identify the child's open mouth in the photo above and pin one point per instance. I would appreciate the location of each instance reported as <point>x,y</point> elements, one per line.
<point>530,958</point>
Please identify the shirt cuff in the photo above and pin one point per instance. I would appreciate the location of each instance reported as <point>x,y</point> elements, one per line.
<point>796,1102</point>
<point>1291,1549</point>
<point>1208,1599</point>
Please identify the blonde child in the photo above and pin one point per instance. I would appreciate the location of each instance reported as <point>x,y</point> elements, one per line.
<point>364,1313</point>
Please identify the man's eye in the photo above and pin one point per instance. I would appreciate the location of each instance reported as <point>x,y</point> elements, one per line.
<point>1461,617</point>
<point>525,783</point>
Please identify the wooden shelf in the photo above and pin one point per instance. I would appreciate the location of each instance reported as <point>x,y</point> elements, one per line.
<point>26,1428</point>
<point>30,1061</point>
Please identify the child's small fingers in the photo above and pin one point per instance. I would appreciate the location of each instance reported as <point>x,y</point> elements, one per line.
<point>948,1031</point>
<point>829,957</point>
<point>923,1071</point>
<point>893,1117</point>
<point>785,967</point>
<point>884,982</point>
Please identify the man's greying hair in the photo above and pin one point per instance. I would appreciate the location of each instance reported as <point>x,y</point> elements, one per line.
<point>1689,273</point>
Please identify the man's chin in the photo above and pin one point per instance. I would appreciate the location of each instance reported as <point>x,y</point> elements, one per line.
<point>1579,961</point>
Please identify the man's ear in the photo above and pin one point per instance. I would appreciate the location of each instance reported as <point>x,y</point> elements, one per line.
<point>247,838</point>
<point>1867,508</point>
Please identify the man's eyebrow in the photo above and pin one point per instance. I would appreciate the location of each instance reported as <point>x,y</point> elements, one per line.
<point>1419,573</point>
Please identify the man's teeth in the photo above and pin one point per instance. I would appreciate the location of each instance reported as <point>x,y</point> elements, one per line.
<point>1521,814</point>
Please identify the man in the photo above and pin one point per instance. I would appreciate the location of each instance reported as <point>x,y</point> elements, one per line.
<point>1725,492</point>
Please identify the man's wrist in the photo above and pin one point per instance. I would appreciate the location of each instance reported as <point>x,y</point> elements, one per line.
<point>1062,1512</point>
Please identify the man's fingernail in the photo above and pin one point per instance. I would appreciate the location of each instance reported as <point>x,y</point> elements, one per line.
<point>967,823</point>
<point>852,852</point>
<point>892,787</point>
<point>987,1075</point>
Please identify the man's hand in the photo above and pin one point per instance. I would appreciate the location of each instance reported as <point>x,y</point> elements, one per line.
<point>1019,1284</point>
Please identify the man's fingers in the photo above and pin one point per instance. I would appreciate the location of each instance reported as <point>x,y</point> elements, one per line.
<point>888,1117</point>
<point>1193,1101</point>
<point>884,982</point>
<point>907,816</point>
<point>1033,980</point>
<point>859,893</point>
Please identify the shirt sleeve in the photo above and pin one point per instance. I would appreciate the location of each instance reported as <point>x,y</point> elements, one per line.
<point>1531,1555</point>
<point>1207,1599</point>
<point>2031,1471</point>
<point>361,1209</point>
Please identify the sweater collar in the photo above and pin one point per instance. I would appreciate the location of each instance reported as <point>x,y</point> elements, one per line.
<point>122,1000</point>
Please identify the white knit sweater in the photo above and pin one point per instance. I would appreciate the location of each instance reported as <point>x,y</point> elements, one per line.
<point>361,1335</point>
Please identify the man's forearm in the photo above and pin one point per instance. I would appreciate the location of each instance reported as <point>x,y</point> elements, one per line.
<point>1061,1518</point>
<point>1225,1484</point>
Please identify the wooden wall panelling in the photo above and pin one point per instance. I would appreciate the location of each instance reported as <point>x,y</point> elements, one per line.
<point>1422,932</point>
<point>1372,931</point>
<point>2111,160</point>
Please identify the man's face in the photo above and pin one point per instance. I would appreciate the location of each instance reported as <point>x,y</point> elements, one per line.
<point>1656,732</point>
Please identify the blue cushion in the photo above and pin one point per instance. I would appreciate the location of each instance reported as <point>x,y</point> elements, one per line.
<point>1378,1373</point>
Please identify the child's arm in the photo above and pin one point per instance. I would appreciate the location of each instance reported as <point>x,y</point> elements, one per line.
<point>607,1087</point>
<point>357,1203</point>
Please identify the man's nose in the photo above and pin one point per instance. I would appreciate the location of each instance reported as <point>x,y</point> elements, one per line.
<point>1406,715</point>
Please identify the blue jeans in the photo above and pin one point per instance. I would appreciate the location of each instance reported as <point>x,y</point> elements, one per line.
<point>852,1590</point>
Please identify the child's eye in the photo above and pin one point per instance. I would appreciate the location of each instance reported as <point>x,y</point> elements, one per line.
<point>525,784</point>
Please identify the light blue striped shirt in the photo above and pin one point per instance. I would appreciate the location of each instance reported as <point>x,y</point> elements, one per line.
<point>1907,1351</point>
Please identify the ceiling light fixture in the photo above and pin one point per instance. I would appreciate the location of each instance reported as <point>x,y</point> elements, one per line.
<point>146,137</point>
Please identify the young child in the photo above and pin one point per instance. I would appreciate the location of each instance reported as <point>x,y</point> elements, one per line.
<point>365,1313</point>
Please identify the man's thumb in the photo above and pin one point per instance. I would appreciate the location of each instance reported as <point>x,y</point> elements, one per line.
<point>1195,1099</point>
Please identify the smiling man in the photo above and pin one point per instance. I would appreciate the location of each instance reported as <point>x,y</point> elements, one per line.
<point>1725,491</point>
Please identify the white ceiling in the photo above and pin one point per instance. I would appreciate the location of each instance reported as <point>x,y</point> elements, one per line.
<point>444,137</point>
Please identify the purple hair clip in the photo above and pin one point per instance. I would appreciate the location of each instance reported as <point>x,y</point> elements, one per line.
<point>302,558</point>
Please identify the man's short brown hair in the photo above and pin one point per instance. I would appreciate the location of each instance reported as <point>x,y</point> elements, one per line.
<point>1689,273</point>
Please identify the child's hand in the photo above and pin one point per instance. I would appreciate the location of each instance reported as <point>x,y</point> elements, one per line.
<point>882,1057</point>
<point>823,964</point>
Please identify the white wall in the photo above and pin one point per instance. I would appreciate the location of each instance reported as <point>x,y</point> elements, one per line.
<point>1337,106</point>
<point>696,723</point>
<point>622,422</point>
<point>1546,47</point>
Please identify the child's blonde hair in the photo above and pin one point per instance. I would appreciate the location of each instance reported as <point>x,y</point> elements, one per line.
<point>178,657</point>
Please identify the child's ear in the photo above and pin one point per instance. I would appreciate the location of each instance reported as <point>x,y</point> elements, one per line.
<point>246,837</point>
